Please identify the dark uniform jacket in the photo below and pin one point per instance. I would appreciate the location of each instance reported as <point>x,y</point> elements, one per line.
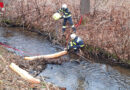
<point>76,43</point>
<point>66,12</point>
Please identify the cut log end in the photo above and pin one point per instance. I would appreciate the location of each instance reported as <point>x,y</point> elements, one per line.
<point>27,58</point>
<point>24,74</point>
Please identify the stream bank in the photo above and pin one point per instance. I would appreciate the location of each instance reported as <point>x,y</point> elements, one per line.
<point>100,55</point>
<point>13,48</point>
<point>70,74</point>
<point>91,52</point>
<point>107,30</point>
<point>10,80</point>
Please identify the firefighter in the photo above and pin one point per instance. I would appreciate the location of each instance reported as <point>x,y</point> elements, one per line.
<point>75,44</point>
<point>67,17</point>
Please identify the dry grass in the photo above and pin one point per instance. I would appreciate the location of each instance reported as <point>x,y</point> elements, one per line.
<point>108,30</point>
<point>9,80</point>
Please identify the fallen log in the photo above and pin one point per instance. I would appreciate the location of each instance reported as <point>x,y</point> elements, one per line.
<point>24,74</point>
<point>50,56</point>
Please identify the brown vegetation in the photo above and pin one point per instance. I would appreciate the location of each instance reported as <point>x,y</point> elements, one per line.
<point>9,80</point>
<point>107,30</point>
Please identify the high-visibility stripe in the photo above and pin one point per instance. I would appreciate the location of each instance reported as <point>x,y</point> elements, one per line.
<point>66,13</point>
<point>81,45</point>
<point>67,16</point>
<point>63,26</point>
<point>71,44</point>
<point>74,43</point>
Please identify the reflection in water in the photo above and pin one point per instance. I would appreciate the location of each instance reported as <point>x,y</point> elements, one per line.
<point>72,75</point>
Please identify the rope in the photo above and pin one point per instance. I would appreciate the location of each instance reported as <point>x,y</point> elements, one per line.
<point>79,23</point>
<point>16,49</point>
<point>76,25</point>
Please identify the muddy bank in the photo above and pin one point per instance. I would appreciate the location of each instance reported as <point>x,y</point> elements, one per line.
<point>100,55</point>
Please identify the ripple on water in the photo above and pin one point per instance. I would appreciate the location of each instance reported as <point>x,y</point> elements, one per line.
<point>86,76</point>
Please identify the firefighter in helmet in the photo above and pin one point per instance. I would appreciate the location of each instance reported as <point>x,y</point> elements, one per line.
<point>67,17</point>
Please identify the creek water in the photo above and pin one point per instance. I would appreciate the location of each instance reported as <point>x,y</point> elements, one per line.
<point>29,42</point>
<point>73,75</point>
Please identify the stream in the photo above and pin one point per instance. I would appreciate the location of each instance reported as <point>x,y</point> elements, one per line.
<point>73,75</point>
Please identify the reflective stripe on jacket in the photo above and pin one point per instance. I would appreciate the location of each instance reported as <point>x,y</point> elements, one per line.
<point>76,43</point>
<point>66,12</point>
